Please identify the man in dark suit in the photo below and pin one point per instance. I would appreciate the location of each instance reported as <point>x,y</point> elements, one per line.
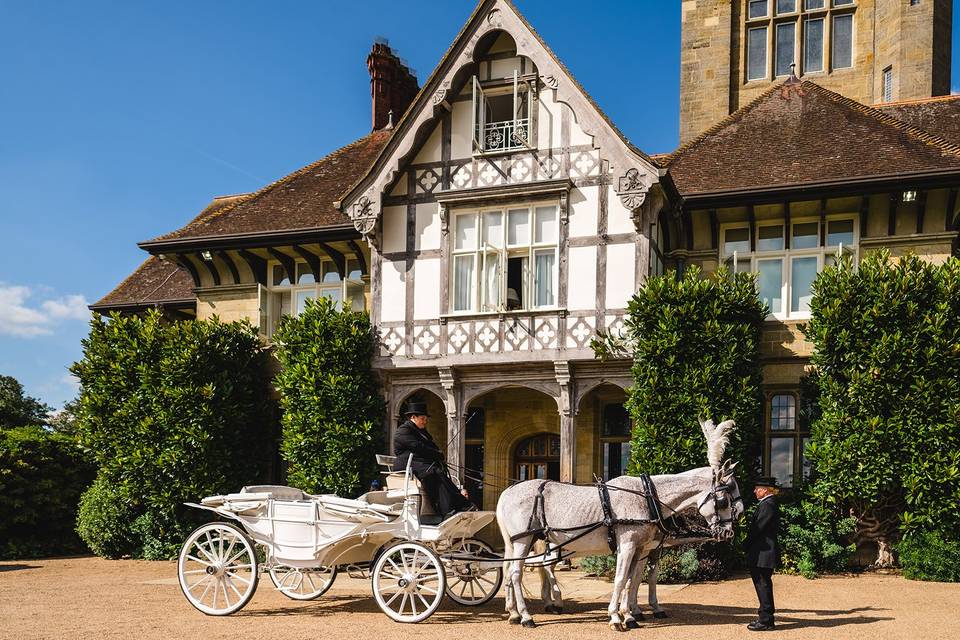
<point>763,552</point>
<point>413,441</point>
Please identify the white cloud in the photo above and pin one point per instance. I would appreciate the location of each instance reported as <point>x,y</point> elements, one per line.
<point>18,318</point>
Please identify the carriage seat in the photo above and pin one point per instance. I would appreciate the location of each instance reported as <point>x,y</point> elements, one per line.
<point>277,492</point>
<point>396,480</point>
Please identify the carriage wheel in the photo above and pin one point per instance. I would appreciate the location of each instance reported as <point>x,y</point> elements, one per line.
<point>408,582</point>
<point>302,584</point>
<point>472,583</point>
<point>218,569</point>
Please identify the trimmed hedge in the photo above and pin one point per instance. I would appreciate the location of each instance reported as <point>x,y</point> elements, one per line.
<point>42,475</point>
<point>887,349</point>
<point>333,406</point>
<point>696,353</point>
<point>171,412</point>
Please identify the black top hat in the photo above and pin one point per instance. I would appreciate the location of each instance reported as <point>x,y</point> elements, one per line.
<point>766,481</point>
<point>416,409</point>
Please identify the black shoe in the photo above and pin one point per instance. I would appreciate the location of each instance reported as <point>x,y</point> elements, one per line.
<point>756,625</point>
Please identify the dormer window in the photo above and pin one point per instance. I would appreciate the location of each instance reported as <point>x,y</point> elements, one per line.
<point>502,115</point>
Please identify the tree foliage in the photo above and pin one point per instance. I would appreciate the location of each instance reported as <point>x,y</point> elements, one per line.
<point>42,475</point>
<point>18,409</point>
<point>695,345</point>
<point>333,407</point>
<point>171,412</point>
<point>887,443</point>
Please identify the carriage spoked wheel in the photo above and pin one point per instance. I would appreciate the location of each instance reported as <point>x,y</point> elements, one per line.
<point>408,582</point>
<point>473,583</point>
<point>217,569</point>
<point>302,584</point>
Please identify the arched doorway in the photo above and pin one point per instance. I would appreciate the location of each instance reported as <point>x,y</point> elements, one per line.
<point>605,421</point>
<point>537,458</point>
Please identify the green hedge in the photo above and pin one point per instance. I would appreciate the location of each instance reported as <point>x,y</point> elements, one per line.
<point>886,341</point>
<point>171,412</point>
<point>333,407</point>
<point>42,475</point>
<point>930,556</point>
<point>695,343</point>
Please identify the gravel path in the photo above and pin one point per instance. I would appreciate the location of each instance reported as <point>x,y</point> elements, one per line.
<point>92,599</point>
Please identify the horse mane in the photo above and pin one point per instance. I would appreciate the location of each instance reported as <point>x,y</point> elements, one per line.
<point>718,437</point>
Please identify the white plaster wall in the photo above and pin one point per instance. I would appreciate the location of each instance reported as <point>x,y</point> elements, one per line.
<point>548,125</point>
<point>582,278</point>
<point>426,289</point>
<point>400,189</point>
<point>393,291</point>
<point>394,229</point>
<point>430,151</point>
<point>620,274</point>
<point>577,136</point>
<point>584,204</point>
<point>618,216</point>
<point>500,69</point>
<point>461,138</point>
<point>428,226</point>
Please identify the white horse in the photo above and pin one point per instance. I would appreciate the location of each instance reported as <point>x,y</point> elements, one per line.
<point>563,514</point>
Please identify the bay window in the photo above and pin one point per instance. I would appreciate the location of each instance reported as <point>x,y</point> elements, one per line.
<point>283,297</point>
<point>787,261</point>
<point>505,259</point>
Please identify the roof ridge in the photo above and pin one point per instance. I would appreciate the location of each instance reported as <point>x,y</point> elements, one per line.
<point>720,124</point>
<point>922,135</point>
<point>897,103</point>
<point>245,198</point>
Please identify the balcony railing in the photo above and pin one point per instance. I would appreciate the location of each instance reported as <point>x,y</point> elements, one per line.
<point>507,135</point>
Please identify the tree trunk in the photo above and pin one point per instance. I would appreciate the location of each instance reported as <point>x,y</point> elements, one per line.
<point>885,558</point>
<point>883,533</point>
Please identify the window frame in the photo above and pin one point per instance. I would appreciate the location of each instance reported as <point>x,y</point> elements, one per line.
<point>823,251</point>
<point>479,121</point>
<point>799,434</point>
<point>603,439</point>
<point>274,292</point>
<point>503,253</point>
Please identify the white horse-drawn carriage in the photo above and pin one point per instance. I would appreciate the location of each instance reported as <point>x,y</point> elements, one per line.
<point>303,540</point>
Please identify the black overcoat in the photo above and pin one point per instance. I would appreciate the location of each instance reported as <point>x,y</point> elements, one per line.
<point>763,550</point>
<point>410,441</point>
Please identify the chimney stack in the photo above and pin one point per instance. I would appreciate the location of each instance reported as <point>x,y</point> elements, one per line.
<point>393,86</point>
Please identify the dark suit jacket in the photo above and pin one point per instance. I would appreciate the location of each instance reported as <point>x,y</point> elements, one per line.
<point>763,551</point>
<point>410,441</point>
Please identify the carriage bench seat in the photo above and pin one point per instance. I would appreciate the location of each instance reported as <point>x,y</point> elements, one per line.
<point>277,492</point>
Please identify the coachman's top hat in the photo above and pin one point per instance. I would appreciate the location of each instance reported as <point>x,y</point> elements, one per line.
<point>766,481</point>
<point>416,409</point>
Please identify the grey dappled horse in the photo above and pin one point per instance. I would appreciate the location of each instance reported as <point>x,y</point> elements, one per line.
<point>564,506</point>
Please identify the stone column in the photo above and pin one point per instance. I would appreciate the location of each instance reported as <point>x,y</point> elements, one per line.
<point>456,448</point>
<point>568,422</point>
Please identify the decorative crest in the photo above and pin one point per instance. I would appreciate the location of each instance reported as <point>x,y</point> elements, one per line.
<point>631,189</point>
<point>363,216</point>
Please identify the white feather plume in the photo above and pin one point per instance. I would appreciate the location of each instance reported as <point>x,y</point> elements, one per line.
<point>718,437</point>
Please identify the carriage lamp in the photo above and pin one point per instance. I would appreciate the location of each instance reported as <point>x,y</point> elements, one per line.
<point>909,196</point>
<point>206,255</point>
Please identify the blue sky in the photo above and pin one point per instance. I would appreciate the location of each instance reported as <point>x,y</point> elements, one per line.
<point>119,121</point>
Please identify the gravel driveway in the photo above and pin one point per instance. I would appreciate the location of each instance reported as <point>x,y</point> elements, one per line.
<point>88,598</point>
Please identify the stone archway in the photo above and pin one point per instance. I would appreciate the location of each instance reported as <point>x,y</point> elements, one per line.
<point>603,435</point>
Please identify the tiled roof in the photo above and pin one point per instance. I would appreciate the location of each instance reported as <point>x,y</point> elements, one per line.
<point>302,200</point>
<point>939,116</point>
<point>154,282</point>
<point>798,134</point>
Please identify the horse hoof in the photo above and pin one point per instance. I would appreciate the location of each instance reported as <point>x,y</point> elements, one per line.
<point>513,620</point>
<point>639,616</point>
<point>660,614</point>
<point>618,626</point>
<point>529,624</point>
<point>633,624</point>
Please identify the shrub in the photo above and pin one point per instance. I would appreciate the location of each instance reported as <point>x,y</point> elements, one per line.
<point>599,566</point>
<point>333,408</point>
<point>811,542</point>
<point>171,412</point>
<point>695,345</point>
<point>42,475</point>
<point>105,521</point>
<point>677,565</point>
<point>930,556</point>
<point>887,347</point>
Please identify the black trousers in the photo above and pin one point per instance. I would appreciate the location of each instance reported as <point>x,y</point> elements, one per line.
<point>763,583</point>
<point>444,495</point>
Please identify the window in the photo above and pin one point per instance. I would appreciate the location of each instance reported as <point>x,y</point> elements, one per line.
<point>888,84</point>
<point>787,260</point>
<point>615,431</point>
<point>786,439</point>
<point>290,298</point>
<point>501,117</point>
<point>505,259</point>
<point>538,458</point>
<point>756,53</point>
<point>799,30</point>
<point>474,427</point>
<point>842,53</point>
<point>786,40</point>
<point>813,45</point>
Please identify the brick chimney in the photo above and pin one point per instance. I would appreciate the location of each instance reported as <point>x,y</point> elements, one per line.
<point>392,85</point>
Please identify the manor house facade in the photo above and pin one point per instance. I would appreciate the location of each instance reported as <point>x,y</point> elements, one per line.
<point>495,220</point>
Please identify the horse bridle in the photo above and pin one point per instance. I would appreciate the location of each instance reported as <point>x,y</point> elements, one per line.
<point>721,500</point>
